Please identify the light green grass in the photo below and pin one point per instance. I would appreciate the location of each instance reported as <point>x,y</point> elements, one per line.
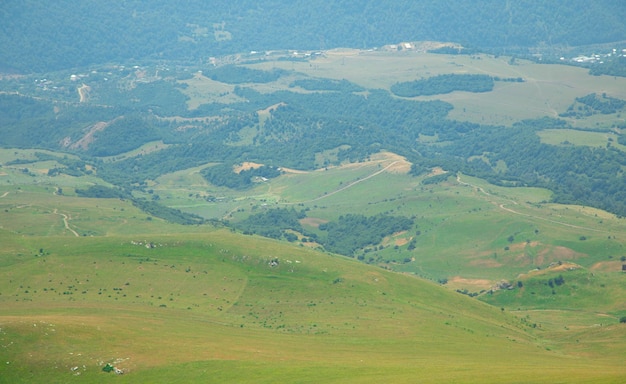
<point>574,137</point>
<point>225,307</point>
<point>547,91</point>
<point>204,301</point>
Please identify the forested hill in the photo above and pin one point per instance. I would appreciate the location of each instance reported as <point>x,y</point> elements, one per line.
<point>39,36</point>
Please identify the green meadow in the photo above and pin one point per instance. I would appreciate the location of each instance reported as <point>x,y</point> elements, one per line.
<point>547,90</point>
<point>86,282</point>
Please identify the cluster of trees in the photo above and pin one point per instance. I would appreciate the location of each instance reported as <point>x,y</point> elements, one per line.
<point>327,85</point>
<point>604,105</point>
<point>592,104</point>
<point>353,232</point>
<point>166,213</point>
<point>274,223</point>
<point>138,30</point>
<point>612,66</point>
<point>441,84</point>
<point>223,175</point>
<point>150,207</point>
<point>344,236</point>
<point>103,192</point>
<point>235,74</point>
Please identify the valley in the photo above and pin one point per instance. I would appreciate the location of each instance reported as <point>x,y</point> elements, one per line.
<point>263,192</point>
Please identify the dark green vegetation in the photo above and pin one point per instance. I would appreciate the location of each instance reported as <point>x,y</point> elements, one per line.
<point>223,175</point>
<point>442,84</point>
<point>593,104</point>
<point>101,32</point>
<point>354,232</point>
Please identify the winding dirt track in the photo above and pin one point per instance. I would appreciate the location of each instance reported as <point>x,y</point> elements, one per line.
<point>349,185</point>
<point>504,208</point>
<point>66,223</point>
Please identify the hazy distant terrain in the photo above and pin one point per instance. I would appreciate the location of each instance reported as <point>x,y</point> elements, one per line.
<point>39,37</point>
<point>314,192</point>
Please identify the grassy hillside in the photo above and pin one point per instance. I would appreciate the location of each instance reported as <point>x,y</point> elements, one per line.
<point>85,282</point>
<point>211,306</point>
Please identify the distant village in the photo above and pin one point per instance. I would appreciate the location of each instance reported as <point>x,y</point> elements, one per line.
<point>596,58</point>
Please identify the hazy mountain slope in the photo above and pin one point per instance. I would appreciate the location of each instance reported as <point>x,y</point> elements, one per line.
<point>39,36</point>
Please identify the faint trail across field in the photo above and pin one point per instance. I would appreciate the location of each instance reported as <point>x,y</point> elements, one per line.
<point>504,208</point>
<point>328,194</point>
<point>4,195</point>
<point>347,186</point>
<point>66,223</point>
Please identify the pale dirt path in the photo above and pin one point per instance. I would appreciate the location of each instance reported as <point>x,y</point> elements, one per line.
<point>333,192</point>
<point>347,186</point>
<point>65,222</point>
<point>4,194</point>
<point>504,208</point>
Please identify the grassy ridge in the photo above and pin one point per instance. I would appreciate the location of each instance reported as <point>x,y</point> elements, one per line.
<point>316,318</point>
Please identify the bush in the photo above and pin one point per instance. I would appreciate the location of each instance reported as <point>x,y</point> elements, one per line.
<point>622,319</point>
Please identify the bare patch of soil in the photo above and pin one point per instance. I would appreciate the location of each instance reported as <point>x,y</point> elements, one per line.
<point>401,242</point>
<point>312,221</point>
<point>83,92</point>
<point>246,166</point>
<point>460,282</point>
<point>86,140</point>
<point>437,171</point>
<point>558,254</point>
<point>399,164</point>
<point>290,170</point>
<point>607,266</point>
<point>487,263</point>
<point>271,108</point>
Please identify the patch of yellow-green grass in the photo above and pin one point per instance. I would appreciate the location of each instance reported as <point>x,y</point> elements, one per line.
<point>209,306</point>
<point>566,137</point>
<point>547,90</point>
<point>202,90</point>
<point>142,150</point>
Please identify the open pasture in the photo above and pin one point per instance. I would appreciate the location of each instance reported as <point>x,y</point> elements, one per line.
<point>547,90</point>
<point>573,137</point>
<point>210,307</point>
<point>90,281</point>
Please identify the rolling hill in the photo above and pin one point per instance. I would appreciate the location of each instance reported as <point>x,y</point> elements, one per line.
<point>86,282</point>
<point>312,192</point>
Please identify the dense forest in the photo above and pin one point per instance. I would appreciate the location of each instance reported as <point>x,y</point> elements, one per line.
<point>38,36</point>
